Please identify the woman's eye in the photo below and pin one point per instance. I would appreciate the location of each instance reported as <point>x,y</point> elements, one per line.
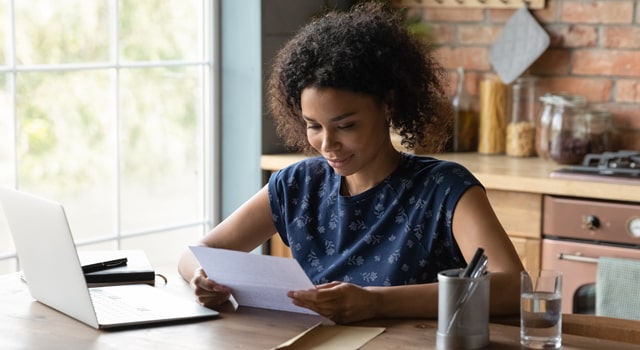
<point>313,126</point>
<point>346,126</point>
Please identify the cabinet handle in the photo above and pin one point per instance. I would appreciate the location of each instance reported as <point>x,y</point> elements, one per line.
<point>579,258</point>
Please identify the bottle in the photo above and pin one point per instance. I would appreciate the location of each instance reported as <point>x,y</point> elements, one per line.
<point>465,119</point>
<point>521,130</point>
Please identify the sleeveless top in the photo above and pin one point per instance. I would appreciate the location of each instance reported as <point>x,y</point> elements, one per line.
<point>396,233</point>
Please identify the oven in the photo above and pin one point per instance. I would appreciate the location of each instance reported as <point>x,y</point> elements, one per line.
<point>576,232</point>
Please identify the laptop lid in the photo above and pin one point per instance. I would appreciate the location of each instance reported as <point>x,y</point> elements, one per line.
<point>47,254</point>
<point>54,274</point>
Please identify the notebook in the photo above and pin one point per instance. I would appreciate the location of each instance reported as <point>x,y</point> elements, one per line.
<point>136,270</point>
<point>54,276</point>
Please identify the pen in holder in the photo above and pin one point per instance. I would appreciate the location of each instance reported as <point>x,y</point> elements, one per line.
<point>463,307</point>
<point>477,270</point>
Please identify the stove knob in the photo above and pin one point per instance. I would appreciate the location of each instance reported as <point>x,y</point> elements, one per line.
<point>592,222</point>
<point>634,227</point>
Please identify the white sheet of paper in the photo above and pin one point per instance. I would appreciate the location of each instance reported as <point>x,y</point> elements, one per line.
<point>256,280</point>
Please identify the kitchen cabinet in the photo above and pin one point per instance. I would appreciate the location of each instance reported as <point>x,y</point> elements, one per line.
<point>521,216</point>
<point>515,187</point>
<point>278,248</point>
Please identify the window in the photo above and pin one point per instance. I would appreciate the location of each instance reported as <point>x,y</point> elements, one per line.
<point>107,107</point>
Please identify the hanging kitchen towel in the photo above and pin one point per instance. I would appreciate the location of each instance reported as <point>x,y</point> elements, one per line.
<point>520,43</point>
<point>617,285</point>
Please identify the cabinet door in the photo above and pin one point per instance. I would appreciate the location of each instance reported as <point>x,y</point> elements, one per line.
<point>521,216</point>
<point>529,251</point>
<point>278,248</point>
<point>519,212</point>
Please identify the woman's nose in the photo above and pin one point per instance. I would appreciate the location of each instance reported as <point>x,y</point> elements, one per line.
<point>329,142</point>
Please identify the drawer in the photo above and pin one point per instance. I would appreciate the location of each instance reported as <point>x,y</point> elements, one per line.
<point>528,250</point>
<point>519,212</point>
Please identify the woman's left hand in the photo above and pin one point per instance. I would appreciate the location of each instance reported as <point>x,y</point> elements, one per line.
<point>338,301</point>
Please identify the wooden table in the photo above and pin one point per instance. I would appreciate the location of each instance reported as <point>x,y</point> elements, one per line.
<point>27,324</point>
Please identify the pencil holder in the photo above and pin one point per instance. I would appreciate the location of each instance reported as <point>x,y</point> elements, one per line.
<point>463,311</point>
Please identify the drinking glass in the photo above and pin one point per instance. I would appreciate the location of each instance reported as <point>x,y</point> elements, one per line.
<point>540,309</point>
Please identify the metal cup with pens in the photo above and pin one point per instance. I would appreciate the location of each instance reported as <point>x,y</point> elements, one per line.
<point>463,306</point>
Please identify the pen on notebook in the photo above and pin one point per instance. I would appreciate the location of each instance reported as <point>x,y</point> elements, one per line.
<point>104,265</point>
<point>472,265</point>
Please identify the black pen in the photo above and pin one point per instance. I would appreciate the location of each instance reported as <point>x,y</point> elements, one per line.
<point>104,265</point>
<point>472,265</point>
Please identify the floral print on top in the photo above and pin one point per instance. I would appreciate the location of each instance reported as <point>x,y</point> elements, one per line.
<point>396,233</point>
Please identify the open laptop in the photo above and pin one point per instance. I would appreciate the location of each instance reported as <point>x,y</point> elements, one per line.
<point>54,276</point>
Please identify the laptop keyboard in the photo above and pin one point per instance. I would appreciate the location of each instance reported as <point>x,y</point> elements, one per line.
<point>111,307</point>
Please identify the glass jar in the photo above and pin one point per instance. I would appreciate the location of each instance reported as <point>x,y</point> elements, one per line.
<point>494,96</point>
<point>568,141</point>
<point>601,134</point>
<point>543,125</point>
<point>521,130</point>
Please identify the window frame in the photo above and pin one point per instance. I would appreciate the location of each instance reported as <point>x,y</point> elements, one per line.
<point>209,124</point>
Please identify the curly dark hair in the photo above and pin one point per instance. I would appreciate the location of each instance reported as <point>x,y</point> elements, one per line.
<point>365,50</point>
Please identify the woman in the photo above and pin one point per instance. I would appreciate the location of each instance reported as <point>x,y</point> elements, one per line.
<point>370,226</point>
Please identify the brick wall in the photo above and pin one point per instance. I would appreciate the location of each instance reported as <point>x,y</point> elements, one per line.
<point>594,51</point>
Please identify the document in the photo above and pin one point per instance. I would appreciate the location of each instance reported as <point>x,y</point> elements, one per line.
<point>331,337</point>
<point>256,280</point>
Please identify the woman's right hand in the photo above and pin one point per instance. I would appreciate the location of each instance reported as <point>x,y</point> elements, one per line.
<point>208,292</point>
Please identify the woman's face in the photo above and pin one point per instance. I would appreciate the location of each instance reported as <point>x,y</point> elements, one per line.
<point>348,129</point>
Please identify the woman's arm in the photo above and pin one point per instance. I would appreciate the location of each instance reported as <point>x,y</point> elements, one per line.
<point>244,230</point>
<point>475,224</point>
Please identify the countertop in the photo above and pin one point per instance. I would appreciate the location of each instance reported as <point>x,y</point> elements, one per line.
<point>500,172</point>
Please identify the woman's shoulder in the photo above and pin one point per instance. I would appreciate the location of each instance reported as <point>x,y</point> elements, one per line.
<point>421,166</point>
<point>311,174</point>
<point>417,162</point>
<point>313,163</point>
<point>311,167</point>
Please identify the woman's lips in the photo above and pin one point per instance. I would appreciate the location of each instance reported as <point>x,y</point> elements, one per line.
<point>337,163</point>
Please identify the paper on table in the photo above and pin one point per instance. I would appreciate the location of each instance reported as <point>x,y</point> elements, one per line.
<point>331,337</point>
<point>256,280</point>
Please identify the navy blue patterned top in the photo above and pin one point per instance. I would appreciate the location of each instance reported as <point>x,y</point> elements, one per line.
<point>396,233</point>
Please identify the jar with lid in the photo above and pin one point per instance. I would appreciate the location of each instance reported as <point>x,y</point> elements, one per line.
<point>555,106</point>
<point>494,98</point>
<point>543,125</point>
<point>601,134</point>
<point>521,129</point>
<point>568,141</point>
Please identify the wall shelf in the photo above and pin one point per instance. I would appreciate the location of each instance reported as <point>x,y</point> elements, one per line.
<point>496,4</point>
